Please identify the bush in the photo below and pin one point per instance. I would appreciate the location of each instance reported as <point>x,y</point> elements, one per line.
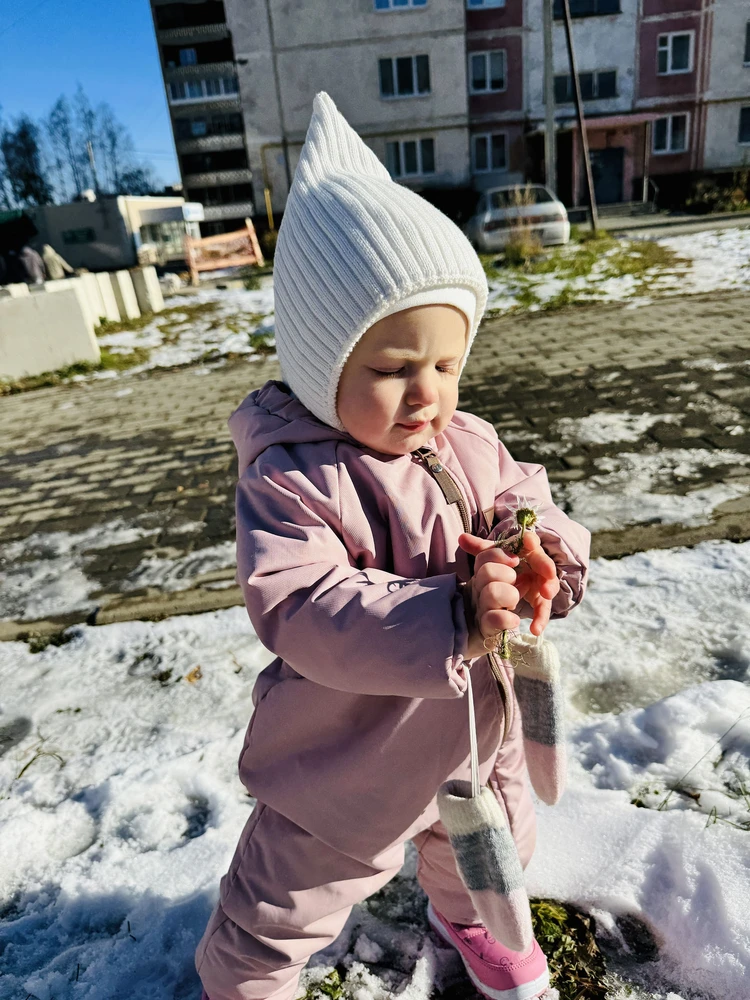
<point>707,195</point>
<point>522,247</point>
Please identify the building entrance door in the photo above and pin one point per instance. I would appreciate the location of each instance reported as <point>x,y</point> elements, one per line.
<point>607,167</point>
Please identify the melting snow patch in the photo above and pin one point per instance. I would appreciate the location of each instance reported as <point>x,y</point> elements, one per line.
<point>603,427</point>
<point>120,805</point>
<point>632,488</point>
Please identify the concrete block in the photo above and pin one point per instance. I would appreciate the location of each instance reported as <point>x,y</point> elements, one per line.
<point>147,289</point>
<point>94,295</point>
<point>76,284</point>
<point>111,312</point>
<point>127,302</point>
<point>42,333</point>
<point>14,291</point>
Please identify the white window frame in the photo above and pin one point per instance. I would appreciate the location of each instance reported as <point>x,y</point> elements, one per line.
<point>394,71</point>
<point>489,169</point>
<point>487,53</point>
<point>418,142</point>
<point>669,151</point>
<point>389,6</point>
<point>742,142</point>
<point>668,36</point>
<point>204,96</point>
<point>483,4</point>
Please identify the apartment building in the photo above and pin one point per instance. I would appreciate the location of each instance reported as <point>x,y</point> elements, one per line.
<point>449,93</point>
<point>200,77</point>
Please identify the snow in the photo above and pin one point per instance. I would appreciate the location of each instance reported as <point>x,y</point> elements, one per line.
<point>604,427</point>
<point>185,338</point>
<point>45,574</point>
<point>638,488</point>
<point>120,805</point>
<point>710,261</point>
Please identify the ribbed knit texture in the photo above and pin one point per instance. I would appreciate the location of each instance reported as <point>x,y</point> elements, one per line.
<point>352,244</point>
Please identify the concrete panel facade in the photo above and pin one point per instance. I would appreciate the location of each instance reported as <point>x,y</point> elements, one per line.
<point>42,333</point>
<point>723,150</point>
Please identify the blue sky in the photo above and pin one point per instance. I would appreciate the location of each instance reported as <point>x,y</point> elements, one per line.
<point>48,46</point>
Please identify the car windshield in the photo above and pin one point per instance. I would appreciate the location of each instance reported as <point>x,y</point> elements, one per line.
<point>517,197</point>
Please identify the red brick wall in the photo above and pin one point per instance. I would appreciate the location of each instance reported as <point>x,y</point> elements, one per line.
<point>510,99</point>
<point>509,16</point>
<point>651,83</point>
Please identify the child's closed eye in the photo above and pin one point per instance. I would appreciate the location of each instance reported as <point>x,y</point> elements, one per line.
<point>447,370</point>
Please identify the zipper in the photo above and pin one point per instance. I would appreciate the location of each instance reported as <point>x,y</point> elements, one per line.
<point>453,495</point>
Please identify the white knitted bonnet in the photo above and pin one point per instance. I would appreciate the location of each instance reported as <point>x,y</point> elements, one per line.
<point>355,246</point>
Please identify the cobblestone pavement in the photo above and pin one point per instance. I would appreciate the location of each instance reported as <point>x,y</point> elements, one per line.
<point>154,450</point>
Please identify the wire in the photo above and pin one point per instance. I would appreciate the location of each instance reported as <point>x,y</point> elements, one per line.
<point>25,14</point>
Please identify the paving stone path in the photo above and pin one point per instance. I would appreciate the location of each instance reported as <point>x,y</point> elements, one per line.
<point>154,449</point>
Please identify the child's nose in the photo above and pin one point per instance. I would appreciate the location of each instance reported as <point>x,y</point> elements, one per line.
<point>422,391</point>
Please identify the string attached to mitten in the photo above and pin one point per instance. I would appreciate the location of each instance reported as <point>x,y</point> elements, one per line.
<point>540,696</point>
<point>485,852</point>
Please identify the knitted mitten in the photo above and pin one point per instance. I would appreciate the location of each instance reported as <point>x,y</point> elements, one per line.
<point>487,861</point>
<point>541,699</point>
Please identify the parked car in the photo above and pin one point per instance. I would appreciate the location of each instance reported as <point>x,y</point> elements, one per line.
<point>531,206</point>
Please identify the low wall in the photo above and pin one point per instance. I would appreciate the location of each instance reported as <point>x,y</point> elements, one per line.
<point>42,333</point>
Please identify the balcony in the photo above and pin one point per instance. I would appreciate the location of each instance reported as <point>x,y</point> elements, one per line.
<point>215,178</point>
<point>237,210</point>
<point>195,33</point>
<point>199,69</point>
<point>208,143</point>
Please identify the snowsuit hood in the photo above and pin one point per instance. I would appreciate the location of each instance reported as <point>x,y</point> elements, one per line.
<point>273,415</point>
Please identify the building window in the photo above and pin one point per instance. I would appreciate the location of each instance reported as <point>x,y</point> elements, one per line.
<point>188,57</point>
<point>405,76</point>
<point>744,134</point>
<point>747,44</point>
<point>674,53</point>
<point>487,71</point>
<point>671,134</point>
<point>410,157</point>
<point>72,237</point>
<point>587,8</point>
<point>596,86</point>
<point>197,90</point>
<point>489,152</point>
<point>484,4</point>
<point>398,4</point>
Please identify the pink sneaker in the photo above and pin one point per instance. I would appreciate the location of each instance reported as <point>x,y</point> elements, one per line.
<point>496,971</point>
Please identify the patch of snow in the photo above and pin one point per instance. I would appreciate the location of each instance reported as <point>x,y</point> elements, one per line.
<point>604,427</point>
<point>113,843</point>
<point>636,488</point>
<point>44,574</point>
<point>182,572</point>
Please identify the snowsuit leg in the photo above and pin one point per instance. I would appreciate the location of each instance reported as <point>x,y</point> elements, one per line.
<point>436,871</point>
<point>286,895</point>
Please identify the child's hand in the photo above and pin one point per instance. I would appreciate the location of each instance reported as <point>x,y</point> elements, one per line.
<point>490,594</point>
<point>537,581</point>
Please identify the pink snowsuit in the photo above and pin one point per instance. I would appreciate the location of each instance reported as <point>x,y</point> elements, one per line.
<point>350,565</point>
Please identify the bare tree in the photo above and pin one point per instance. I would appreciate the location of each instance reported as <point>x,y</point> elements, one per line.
<point>23,163</point>
<point>67,148</point>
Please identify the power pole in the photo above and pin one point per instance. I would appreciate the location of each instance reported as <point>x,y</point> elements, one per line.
<point>581,122</point>
<point>550,139</point>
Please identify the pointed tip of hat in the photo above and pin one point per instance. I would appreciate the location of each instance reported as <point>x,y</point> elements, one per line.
<point>332,146</point>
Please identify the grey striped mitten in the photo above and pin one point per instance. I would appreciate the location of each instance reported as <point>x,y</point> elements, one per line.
<point>487,861</point>
<point>540,696</point>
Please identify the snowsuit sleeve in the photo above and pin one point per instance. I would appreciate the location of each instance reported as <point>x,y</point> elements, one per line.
<point>364,631</point>
<point>566,541</point>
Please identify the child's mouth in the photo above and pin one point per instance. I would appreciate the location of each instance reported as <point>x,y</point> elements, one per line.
<point>415,428</point>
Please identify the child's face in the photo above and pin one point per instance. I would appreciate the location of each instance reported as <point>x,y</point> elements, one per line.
<point>399,386</point>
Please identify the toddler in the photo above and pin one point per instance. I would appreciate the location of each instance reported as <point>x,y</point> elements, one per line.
<point>364,507</point>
